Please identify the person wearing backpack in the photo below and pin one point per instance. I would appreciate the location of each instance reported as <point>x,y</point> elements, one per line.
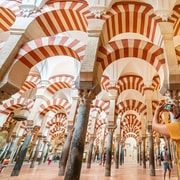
<point>166,162</point>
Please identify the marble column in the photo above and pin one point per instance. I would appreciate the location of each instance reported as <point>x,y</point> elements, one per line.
<point>17,148</point>
<point>151,151</point>
<point>65,152</point>
<point>12,145</point>
<point>92,137</point>
<point>140,152</point>
<point>43,150</point>
<point>34,159</point>
<point>77,146</point>
<point>20,159</point>
<point>158,150</point>
<point>109,150</point>
<point>122,153</point>
<point>144,151</point>
<point>149,116</point>
<point>117,153</point>
<point>47,151</point>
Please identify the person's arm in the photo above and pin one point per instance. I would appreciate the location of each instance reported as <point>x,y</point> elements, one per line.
<point>161,128</point>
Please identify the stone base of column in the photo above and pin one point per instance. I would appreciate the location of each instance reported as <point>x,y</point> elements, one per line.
<point>15,173</point>
<point>61,171</point>
<point>88,165</point>
<point>107,173</point>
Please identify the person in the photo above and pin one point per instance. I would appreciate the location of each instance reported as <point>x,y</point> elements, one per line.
<point>50,158</point>
<point>166,161</point>
<point>4,164</point>
<point>171,129</point>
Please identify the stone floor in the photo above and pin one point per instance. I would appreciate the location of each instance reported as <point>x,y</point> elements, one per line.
<point>128,171</point>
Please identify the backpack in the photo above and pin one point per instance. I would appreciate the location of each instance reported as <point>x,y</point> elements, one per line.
<point>162,156</point>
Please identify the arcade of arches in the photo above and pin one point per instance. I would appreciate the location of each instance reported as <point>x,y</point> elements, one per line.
<point>80,78</point>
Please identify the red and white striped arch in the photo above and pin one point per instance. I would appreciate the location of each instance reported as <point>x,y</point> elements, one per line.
<point>134,17</point>
<point>124,83</point>
<point>61,20</point>
<point>131,104</point>
<point>57,135</point>
<point>102,105</point>
<point>175,19</point>
<point>40,49</point>
<point>8,121</point>
<point>130,123</point>
<point>57,129</point>
<point>131,48</point>
<point>177,50</point>
<point>13,104</point>
<point>100,122</point>
<point>31,82</point>
<point>130,135</point>
<point>55,105</point>
<point>155,83</point>
<point>58,120</point>
<point>92,120</point>
<point>60,82</point>
<point>7,18</point>
<point>13,6</point>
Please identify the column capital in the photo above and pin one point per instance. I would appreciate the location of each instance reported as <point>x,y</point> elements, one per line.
<point>86,96</point>
<point>29,126</point>
<point>111,128</point>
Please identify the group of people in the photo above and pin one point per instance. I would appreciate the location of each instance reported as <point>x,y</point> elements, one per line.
<point>171,130</point>
<point>52,157</point>
<point>4,164</point>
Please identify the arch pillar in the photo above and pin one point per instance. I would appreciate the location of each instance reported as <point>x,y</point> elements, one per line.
<point>74,162</point>
<point>148,100</point>
<point>19,162</point>
<point>109,150</point>
<point>117,152</point>
<point>39,142</point>
<point>92,137</point>
<point>65,152</point>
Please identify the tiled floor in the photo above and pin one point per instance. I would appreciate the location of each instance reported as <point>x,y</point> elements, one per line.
<point>128,171</point>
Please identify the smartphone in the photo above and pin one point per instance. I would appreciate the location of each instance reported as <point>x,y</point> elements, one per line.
<point>168,107</point>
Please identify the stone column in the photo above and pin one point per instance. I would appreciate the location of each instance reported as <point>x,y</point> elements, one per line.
<point>151,151</point>
<point>148,100</point>
<point>47,151</point>
<point>167,35</point>
<point>109,150</point>
<point>102,141</point>
<point>17,148</point>
<point>122,153</point>
<point>77,146</point>
<point>140,151</point>
<point>92,137</point>
<point>158,150</point>
<point>34,159</point>
<point>43,150</point>
<point>65,152</point>
<point>144,151</point>
<point>19,161</point>
<point>117,153</point>
<point>12,145</point>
